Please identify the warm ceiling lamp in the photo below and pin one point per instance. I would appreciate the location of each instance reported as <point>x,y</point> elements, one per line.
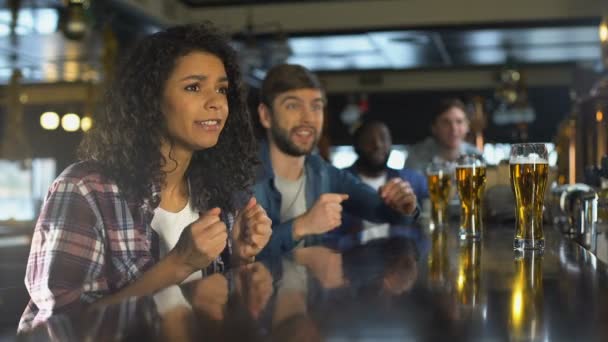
<point>70,122</point>
<point>49,120</point>
<point>73,19</point>
<point>86,123</point>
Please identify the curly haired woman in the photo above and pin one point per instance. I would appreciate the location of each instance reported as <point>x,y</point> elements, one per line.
<point>166,169</point>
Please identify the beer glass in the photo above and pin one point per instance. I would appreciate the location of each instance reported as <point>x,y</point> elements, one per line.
<point>529,171</point>
<point>439,179</point>
<point>471,183</point>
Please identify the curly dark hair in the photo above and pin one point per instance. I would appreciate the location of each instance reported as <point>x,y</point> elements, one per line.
<point>126,139</point>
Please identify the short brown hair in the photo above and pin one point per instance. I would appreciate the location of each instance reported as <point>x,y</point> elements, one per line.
<point>446,104</point>
<point>286,77</point>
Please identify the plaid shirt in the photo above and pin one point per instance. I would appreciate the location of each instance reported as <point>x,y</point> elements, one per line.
<point>89,242</point>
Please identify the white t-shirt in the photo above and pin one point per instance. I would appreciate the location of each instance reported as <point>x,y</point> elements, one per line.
<point>374,182</point>
<point>382,228</point>
<point>293,197</point>
<point>169,227</point>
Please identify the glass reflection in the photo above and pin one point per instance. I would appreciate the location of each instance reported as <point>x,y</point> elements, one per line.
<point>193,310</point>
<point>438,260</point>
<point>401,273</point>
<point>254,286</point>
<point>109,323</point>
<point>291,320</point>
<point>384,268</point>
<point>231,306</point>
<point>526,315</point>
<point>210,295</point>
<point>468,279</point>
<point>324,264</point>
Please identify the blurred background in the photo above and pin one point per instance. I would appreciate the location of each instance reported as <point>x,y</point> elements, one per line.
<point>527,71</point>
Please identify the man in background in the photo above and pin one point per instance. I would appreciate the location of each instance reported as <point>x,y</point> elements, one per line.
<point>373,143</point>
<point>449,128</point>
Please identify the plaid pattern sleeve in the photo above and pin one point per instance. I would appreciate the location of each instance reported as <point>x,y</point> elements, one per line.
<point>65,266</point>
<point>89,242</point>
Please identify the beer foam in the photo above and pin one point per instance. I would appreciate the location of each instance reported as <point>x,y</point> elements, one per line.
<point>532,158</point>
<point>470,166</point>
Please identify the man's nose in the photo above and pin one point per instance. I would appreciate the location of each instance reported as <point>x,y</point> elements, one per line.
<point>454,126</point>
<point>377,142</point>
<point>307,114</point>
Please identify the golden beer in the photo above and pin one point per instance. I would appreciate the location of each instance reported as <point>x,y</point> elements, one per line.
<point>471,181</point>
<point>440,184</point>
<point>529,181</point>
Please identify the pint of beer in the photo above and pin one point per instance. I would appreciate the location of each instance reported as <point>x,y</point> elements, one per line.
<point>439,179</point>
<point>529,172</point>
<point>471,181</point>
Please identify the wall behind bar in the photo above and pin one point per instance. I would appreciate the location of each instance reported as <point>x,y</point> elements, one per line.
<point>408,114</point>
<point>366,14</point>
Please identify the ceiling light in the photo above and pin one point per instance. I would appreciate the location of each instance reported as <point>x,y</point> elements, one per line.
<point>86,123</point>
<point>73,20</point>
<point>412,38</point>
<point>49,120</point>
<point>70,122</point>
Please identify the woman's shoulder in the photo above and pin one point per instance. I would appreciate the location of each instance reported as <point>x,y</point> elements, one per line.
<point>88,174</point>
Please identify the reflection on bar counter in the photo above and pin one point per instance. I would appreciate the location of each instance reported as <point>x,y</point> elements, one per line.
<point>439,260</point>
<point>527,297</point>
<point>469,274</point>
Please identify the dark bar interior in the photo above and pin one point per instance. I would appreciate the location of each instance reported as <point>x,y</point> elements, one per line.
<point>342,170</point>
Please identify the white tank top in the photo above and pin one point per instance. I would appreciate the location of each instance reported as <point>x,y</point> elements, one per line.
<point>169,227</point>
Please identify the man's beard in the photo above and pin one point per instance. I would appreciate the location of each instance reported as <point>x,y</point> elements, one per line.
<point>280,137</point>
<point>372,166</point>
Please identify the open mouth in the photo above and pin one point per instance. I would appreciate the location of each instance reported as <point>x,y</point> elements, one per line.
<point>304,132</point>
<point>211,124</point>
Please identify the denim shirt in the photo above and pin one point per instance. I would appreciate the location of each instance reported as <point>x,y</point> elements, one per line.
<point>321,178</point>
<point>416,179</point>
